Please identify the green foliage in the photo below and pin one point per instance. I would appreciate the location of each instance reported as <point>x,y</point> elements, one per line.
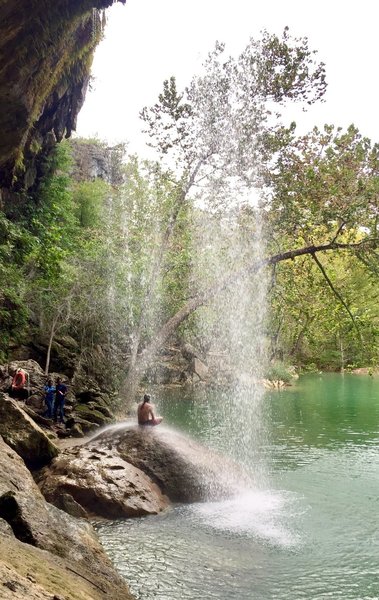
<point>311,328</point>
<point>322,181</point>
<point>278,372</point>
<point>52,220</point>
<point>89,197</point>
<point>324,188</point>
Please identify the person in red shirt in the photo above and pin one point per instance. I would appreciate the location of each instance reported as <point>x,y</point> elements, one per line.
<point>18,387</point>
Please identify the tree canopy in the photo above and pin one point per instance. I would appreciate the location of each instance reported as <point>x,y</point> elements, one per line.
<point>235,199</point>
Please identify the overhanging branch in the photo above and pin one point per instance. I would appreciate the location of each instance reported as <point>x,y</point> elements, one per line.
<point>337,294</point>
<point>201,299</point>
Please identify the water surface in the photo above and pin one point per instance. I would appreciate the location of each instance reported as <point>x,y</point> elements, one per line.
<point>308,528</point>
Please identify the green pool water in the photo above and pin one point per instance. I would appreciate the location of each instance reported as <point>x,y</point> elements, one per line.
<point>309,526</point>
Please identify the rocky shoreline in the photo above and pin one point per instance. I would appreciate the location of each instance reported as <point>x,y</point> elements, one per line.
<point>46,553</point>
<point>51,486</point>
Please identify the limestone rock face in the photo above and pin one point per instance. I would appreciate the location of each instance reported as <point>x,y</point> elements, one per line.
<point>53,547</point>
<point>102,482</point>
<point>45,57</point>
<point>23,435</point>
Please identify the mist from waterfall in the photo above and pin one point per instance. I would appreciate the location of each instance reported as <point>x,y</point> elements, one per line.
<point>231,327</point>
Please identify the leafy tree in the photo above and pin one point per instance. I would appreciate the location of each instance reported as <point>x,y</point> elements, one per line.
<point>210,136</point>
<point>219,137</point>
<point>322,191</point>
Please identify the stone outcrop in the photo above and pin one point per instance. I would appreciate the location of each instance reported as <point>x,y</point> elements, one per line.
<point>97,160</point>
<point>179,366</point>
<point>86,409</point>
<point>200,369</point>
<point>23,435</point>
<point>48,550</point>
<point>132,471</point>
<point>46,51</point>
<point>99,480</point>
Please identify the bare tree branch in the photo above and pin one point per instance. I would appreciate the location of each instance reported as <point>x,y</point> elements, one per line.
<point>337,294</point>
<point>339,231</point>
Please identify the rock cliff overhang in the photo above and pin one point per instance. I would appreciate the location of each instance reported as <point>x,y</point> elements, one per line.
<point>46,51</point>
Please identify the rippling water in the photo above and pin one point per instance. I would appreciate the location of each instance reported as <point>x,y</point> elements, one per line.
<point>308,530</point>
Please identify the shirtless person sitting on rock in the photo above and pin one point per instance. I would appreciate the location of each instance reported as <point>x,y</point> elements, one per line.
<point>146,413</point>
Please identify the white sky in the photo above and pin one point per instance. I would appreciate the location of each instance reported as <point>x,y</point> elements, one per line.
<point>147,41</point>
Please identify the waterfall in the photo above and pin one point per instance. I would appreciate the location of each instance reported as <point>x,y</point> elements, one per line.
<point>231,326</point>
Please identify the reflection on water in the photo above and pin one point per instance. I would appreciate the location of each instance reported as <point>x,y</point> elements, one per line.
<point>310,530</point>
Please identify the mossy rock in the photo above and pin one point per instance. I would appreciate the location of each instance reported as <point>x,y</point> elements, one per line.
<point>85,425</point>
<point>91,415</point>
<point>101,408</point>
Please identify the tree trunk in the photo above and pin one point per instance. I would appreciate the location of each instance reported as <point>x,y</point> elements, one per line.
<point>299,338</point>
<point>51,339</point>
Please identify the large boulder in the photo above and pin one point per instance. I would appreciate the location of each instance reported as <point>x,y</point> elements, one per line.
<point>101,482</point>
<point>60,553</point>
<point>23,435</point>
<point>131,471</point>
<point>36,375</point>
<point>185,470</point>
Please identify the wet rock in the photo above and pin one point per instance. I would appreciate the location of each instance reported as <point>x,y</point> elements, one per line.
<point>200,369</point>
<point>23,435</point>
<point>185,470</point>
<point>165,374</point>
<point>67,503</point>
<point>62,433</point>
<point>85,425</point>
<point>102,483</point>
<point>132,471</point>
<point>190,352</point>
<point>76,431</point>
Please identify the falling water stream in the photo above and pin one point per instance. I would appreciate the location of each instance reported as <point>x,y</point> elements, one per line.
<point>308,529</point>
<point>307,525</point>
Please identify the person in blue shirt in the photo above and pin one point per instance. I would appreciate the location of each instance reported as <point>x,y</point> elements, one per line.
<point>49,389</point>
<point>60,394</point>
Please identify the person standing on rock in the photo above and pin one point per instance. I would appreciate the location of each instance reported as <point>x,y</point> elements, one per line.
<point>49,389</point>
<point>60,394</point>
<point>146,413</point>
